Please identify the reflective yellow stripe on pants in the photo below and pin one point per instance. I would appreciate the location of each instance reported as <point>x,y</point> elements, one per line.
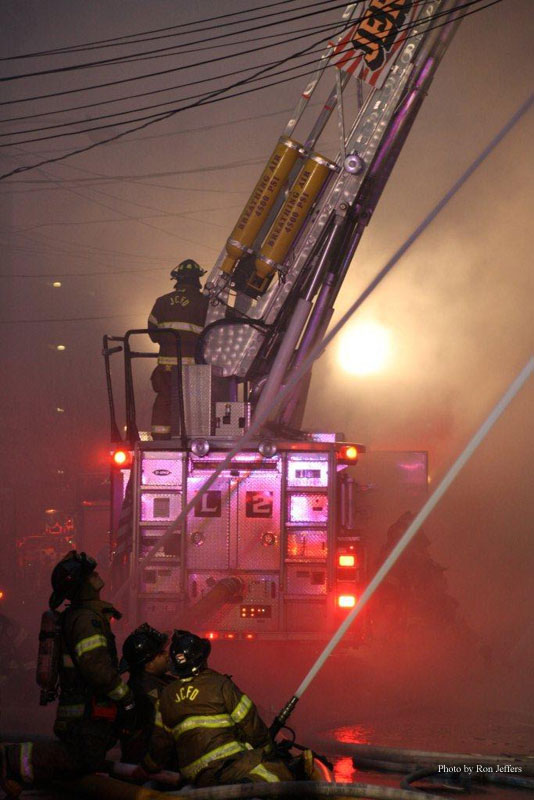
<point>225,751</point>
<point>265,774</point>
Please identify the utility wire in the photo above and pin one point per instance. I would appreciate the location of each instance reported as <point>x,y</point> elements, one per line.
<point>208,95</point>
<point>150,92</point>
<point>159,72</point>
<point>149,122</point>
<point>212,98</point>
<point>159,105</point>
<point>129,59</point>
<point>119,40</point>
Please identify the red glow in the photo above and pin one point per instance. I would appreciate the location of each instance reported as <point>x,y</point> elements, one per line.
<point>249,636</point>
<point>346,601</point>
<point>229,635</point>
<point>1,595</point>
<point>212,635</point>
<point>344,770</point>
<point>349,452</point>
<point>121,458</point>
<point>347,560</point>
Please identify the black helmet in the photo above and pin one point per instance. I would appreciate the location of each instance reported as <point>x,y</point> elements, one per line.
<point>187,268</point>
<point>68,576</point>
<point>141,646</point>
<point>188,653</point>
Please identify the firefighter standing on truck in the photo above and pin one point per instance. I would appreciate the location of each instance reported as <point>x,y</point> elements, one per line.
<point>213,728</point>
<point>145,657</point>
<point>183,310</point>
<point>95,705</point>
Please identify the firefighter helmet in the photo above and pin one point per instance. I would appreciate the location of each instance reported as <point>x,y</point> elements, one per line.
<point>188,653</point>
<point>187,268</point>
<point>141,646</point>
<point>68,576</point>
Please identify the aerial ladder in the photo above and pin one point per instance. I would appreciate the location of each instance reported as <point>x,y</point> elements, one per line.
<point>274,284</point>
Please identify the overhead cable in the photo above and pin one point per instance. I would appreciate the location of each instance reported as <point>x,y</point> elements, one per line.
<point>263,68</point>
<point>125,59</point>
<point>212,98</point>
<point>119,40</point>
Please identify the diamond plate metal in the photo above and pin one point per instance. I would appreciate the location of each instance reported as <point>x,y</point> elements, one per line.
<point>307,507</point>
<point>306,545</point>
<point>160,579</point>
<point>197,399</point>
<point>258,522</point>
<point>208,525</point>
<point>169,552</point>
<point>160,506</point>
<point>162,469</point>
<point>306,579</point>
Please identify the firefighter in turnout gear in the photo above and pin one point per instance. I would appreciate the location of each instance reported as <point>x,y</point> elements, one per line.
<point>183,310</point>
<point>212,727</point>
<point>145,657</point>
<point>95,705</point>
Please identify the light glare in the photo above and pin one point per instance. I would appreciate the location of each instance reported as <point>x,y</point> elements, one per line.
<point>364,349</point>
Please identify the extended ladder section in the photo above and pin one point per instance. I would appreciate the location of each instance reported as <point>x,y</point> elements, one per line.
<point>275,282</point>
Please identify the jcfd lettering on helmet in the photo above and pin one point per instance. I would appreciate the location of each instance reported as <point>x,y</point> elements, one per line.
<point>186,693</point>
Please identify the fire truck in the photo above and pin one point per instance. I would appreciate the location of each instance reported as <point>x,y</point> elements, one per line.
<point>274,546</point>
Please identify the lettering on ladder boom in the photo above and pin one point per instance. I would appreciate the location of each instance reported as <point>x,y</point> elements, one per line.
<point>377,31</point>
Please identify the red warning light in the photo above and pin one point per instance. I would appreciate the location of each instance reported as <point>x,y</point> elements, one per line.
<point>349,452</point>
<point>249,636</point>
<point>346,560</point>
<point>121,458</point>
<point>212,635</point>
<point>229,635</point>
<point>346,601</point>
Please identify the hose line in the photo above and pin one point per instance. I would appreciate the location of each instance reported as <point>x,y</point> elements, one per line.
<point>306,789</point>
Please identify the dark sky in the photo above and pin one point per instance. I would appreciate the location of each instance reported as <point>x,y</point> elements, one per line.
<point>111,222</point>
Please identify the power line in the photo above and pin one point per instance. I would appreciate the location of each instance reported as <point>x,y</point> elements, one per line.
<point>129,59</point>
<point>152,91</point>
<point>208,95</point>
<point>149,107</point>
<point>116,41</point>
<point>152,74</point>
<point>182,132</point>
<point>213,98</point>
<point>146,124</point>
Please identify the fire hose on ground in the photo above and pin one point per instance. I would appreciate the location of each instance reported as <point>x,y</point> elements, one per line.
<point>100,787</point>
<point>421,764</point>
